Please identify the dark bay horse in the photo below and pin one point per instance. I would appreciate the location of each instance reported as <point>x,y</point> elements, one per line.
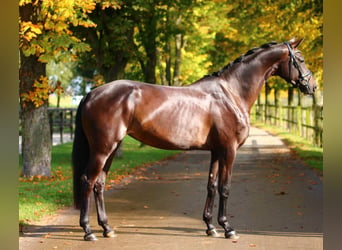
<point>210,114</point>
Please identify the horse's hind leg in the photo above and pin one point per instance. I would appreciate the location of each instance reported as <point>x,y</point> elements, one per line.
<point>94,171</point>
<point>99,199</point>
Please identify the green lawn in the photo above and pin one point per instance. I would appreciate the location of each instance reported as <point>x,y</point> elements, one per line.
<point>42,196</point>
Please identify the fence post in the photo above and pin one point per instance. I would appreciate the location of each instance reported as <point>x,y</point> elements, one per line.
<point>71,124</point>
<point>307,121</point>
<point>61,125</point>
<point>317,125</point>
<point>299,120</point>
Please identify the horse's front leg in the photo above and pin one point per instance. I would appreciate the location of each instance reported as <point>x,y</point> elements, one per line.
<point>100,206</point>
<point>225,178</point>
<point>211,192</point>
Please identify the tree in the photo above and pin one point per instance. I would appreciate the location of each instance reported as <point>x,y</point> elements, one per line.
<point>145,16</point>
<point>259,21</point>
<point>44,35</point>
<point>110,41</point>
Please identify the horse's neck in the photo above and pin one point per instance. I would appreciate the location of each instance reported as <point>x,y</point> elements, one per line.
<point>248,78</point>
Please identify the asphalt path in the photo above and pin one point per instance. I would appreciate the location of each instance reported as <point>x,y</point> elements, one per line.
<point>276,202</point>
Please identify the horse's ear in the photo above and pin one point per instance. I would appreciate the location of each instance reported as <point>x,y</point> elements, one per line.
<point>296,42</point>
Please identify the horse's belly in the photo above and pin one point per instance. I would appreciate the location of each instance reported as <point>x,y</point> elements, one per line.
<point>171,134</point>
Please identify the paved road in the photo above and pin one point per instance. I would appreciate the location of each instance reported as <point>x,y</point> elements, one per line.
<point>275,203</point>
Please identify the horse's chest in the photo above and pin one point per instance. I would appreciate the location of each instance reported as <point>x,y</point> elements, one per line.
<point>233,126</point>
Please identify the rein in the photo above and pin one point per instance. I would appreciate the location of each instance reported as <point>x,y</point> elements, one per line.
<point>302,77</point>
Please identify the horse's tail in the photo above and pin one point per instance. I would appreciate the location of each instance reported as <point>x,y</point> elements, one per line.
<point>80,156</point>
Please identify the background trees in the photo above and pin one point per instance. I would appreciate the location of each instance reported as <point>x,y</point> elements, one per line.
<point>157,41</point>
<point>44,35</point>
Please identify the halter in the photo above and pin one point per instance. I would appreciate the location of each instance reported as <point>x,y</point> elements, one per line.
<point>302,77</point>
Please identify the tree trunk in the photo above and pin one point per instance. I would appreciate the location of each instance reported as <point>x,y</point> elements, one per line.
<point>150,69</point>
<point>36,142</point>
<point>36,139</point>
<point>178,58</point>
<point>115,71</point>
<point>168,64</point>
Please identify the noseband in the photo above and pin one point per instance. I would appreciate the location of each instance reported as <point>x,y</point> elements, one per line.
<point>303,78</point>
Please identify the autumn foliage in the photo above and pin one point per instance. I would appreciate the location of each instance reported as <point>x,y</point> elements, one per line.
<point>44,32</point>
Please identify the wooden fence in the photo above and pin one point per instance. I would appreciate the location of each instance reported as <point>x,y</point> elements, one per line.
<point>62,120</point>
<point>303,121</point>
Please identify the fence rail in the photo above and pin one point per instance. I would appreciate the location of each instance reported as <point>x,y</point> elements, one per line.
<point>303,121</point>
<point>62,120</point>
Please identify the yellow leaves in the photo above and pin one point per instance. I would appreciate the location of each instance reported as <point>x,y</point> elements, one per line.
<point>50,32</point>
<point>110,4</point>
<point>98,80</point>
<point>28,30</point>
<point>40,92</point>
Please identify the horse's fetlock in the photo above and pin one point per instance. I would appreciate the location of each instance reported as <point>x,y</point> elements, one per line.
<point>207,216</point>
<point>223,221</point>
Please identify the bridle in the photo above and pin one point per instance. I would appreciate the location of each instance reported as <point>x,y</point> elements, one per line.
<point>304,78</point>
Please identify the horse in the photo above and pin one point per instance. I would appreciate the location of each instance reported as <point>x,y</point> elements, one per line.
<point>210,114</point>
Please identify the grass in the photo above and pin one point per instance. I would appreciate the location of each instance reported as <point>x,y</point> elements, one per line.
<point>312,155</point>
<point>40,196</point>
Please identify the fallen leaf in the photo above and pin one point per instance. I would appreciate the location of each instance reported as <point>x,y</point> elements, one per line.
<point>252,245</point>
<point>281,193</point>
<point>47,236</point>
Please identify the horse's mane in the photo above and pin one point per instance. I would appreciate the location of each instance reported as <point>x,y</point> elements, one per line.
<point>242,58</point>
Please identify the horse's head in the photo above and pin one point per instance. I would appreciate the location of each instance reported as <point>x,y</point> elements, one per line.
<point>294,70</point>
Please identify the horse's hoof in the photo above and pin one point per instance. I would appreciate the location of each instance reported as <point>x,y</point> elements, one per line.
<point>231,235</point>
<point>90,237</point>
<point>212,233</point>
<point>109,234</point>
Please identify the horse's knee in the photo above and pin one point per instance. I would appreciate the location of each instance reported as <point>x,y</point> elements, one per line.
<point>211,189</point>
<point>224,191</point>
<point>99,187</point>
